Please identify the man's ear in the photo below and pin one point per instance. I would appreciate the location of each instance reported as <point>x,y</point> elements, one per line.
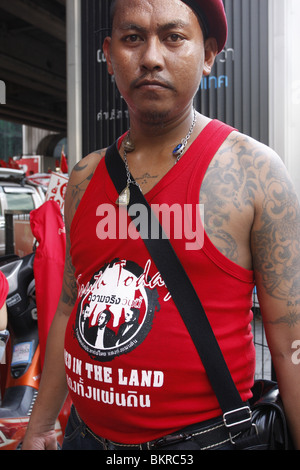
<point>211,51</point>
<point>106,50</point>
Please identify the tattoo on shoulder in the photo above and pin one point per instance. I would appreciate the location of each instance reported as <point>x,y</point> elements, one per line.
<point>69,288</point>
<point>242,173</point>
<point>291,319</point>
<point>67,298</point>
<point>80,166</point>
<point>277,240</point>
<point>229,186</point>
<point>77,189</point>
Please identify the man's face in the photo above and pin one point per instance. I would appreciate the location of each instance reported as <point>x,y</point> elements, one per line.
<point>102,319</point>
<point>86,312</point>
<point>157,55</point>
<point>128,316</point>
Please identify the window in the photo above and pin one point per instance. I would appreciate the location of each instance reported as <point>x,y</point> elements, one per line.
<point>19,199</point>
<point>11,139</point>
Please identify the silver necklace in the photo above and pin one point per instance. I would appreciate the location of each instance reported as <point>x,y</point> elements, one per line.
<point>124,197</point>
<point>180,149</point>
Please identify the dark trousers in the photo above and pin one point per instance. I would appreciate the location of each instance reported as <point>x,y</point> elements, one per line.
<point>79,437</point>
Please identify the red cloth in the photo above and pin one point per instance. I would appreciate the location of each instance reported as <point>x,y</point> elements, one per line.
<point>63,163</point>
<point>4,288</point>
<point>48,228</point>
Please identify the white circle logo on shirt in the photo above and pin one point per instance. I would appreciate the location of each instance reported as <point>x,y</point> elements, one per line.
<point>116,310</point>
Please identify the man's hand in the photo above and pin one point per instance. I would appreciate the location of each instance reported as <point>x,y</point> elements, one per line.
<point>40,441</point>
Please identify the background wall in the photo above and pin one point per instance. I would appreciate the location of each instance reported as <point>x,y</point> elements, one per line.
<point>241,96</point>
<point>254,86</point>
<point>284,40</point>
<point>236,91</point>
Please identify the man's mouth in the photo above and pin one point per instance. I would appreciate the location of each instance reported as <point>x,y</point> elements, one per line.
<point>152,84</point>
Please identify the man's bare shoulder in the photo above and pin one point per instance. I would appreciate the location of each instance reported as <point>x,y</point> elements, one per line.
<point>275,233</point>
<point>246,148</point>
<point>239,170</point>
<point>261,161</point>
<point>255,164</point>
<point>80,178</point>
<point>243,182</point>
<point>87,165</point>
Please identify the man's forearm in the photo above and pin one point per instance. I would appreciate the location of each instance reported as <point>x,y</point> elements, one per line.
<point>288,375</point>
<point>53,388</point>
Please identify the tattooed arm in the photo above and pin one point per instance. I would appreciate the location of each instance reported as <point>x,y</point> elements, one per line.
<point>276,258</point>
<point>53,388</point>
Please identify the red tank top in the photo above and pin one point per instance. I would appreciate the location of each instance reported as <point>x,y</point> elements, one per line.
<point>132,368</point>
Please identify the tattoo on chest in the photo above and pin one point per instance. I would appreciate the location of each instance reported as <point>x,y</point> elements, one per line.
<point>146,178</point>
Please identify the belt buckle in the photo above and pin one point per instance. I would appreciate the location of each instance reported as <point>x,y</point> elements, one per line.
<point>236,423</point>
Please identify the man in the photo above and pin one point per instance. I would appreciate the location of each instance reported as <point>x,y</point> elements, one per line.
<point>129,327</point>
<point>85,319</point>
<point>155,385</point>
<point>100,334</point>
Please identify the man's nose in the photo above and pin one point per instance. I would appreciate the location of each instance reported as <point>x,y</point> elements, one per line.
<point>152,58</point>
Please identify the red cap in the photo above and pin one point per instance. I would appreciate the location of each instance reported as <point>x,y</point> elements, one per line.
<point>213,16</point>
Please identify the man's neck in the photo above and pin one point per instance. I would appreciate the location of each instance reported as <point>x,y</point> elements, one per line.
<point>156,141</point>
<point>153,156</point>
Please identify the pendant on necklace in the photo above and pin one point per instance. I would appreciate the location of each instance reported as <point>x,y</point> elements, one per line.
<point>177,150</point>
<point>124,198</point>
<point>128,144</point>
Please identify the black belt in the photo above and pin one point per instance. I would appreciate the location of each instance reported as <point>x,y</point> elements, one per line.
<point>208,435</point>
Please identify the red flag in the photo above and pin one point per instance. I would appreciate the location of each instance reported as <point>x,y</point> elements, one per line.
<point>63,162</point>
<point>48,228</point>
<point>13,164</point>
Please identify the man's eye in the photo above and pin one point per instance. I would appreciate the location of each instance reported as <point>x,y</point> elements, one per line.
<point>132,38</point>
<point>175,37</point>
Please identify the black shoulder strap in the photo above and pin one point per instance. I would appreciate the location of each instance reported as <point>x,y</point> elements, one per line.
<point>187,302</point>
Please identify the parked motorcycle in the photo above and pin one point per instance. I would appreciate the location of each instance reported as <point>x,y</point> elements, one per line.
<point>23,365</point>
<point>34,290</point>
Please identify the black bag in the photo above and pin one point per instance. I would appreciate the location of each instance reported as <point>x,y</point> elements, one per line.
<point>261,424</point>
<point>269,419</point>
